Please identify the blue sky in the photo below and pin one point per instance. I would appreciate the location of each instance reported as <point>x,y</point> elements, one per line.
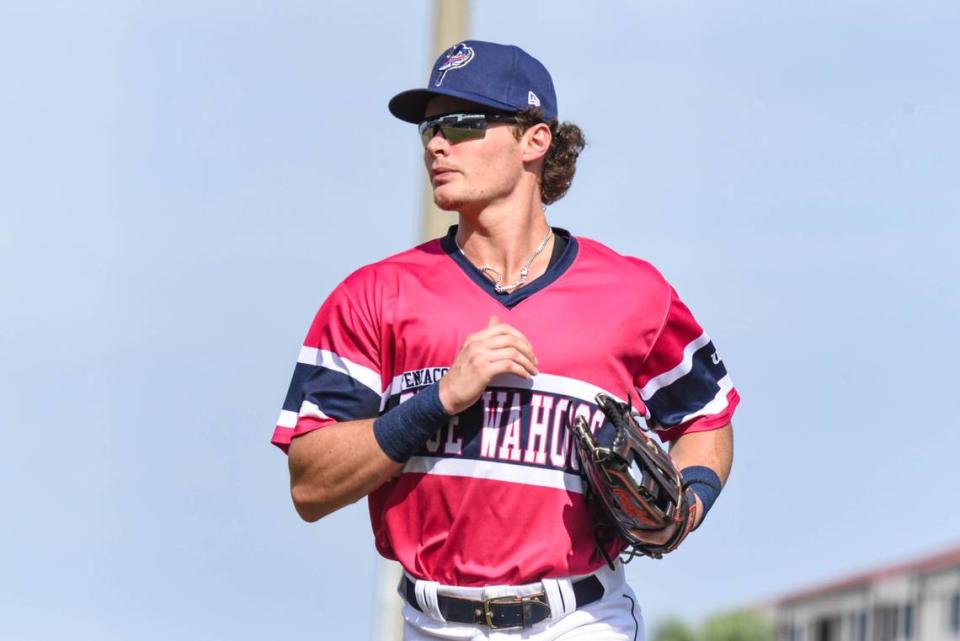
<point>183,183</point>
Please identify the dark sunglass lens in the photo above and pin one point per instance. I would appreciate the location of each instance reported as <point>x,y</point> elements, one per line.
<point>455,134</point>
<point>426,134</point>
<point>454,127</point>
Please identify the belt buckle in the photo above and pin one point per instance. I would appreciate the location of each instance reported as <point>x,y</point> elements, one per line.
<point>505,600</point>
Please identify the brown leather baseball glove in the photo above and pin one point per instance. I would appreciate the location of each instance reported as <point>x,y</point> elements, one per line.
<point>635,483</point>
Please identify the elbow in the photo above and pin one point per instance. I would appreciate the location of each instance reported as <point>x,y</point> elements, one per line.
<point>311,504</point>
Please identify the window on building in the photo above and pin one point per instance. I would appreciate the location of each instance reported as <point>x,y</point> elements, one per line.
<point>793,632</point>
<point>906,622</point>
<point>787,632</point>
<point>827,628</point>
<point>860,626</point>
<point>885,623</point>
<point>955,613</point>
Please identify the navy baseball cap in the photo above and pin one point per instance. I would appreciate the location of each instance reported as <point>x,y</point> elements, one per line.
<point>503,77</point>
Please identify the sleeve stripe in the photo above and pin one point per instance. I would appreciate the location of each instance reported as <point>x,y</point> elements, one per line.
<point>312,410</point>
<point>694,395</point>
<point>287,419</point>
<point>335,394</point>
<point>324,358</point>
<point>691,393</point>
<point>717,405</point>
<point>681,370</point>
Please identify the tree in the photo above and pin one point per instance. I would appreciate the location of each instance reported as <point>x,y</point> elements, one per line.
<point>672,629</point>
<point>737,626</point>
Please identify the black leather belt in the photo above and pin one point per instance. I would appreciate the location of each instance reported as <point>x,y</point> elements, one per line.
<point>505,611</point>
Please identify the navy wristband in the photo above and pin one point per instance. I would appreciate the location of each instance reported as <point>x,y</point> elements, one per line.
<point>703,482</point>
<point>402,431</point>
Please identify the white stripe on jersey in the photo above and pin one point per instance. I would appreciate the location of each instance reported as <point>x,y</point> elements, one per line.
<point>549,383</point>
<point>678,372</point>
<point>312,410</point>
<point>715,406</point>
<point>324,358</point>
<point>553,384</point>
<point>496,471</point>
<point>287,419</point>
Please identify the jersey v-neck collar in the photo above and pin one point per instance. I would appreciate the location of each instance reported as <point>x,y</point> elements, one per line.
<point>556,269</point>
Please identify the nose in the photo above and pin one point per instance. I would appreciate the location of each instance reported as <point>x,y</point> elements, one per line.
<point>437,143</point>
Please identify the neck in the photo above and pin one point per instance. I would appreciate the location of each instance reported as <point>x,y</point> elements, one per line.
<point>504,236</point>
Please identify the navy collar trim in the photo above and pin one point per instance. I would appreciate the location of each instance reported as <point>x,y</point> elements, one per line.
<point>554,271</point>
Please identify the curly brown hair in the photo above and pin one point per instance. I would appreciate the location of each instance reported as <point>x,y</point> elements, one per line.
<point>560,163</point>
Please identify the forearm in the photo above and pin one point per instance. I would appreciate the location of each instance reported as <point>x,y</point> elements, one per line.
<point>336,465</point>
<point>713,449</point>
<point>343,462</point>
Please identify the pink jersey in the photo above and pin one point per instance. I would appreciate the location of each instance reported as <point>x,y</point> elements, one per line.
<point>496,497</point>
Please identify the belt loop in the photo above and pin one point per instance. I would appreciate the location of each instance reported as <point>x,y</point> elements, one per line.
<point>611,580</point>
<point>560,597</point>
<point>568,596</point>
<point>427,599</point>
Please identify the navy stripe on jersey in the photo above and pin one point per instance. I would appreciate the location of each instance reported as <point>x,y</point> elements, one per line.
<point>337,395</point>
<point>691,392</point>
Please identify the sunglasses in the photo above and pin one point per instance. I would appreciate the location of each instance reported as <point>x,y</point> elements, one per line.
<point>461,126</point>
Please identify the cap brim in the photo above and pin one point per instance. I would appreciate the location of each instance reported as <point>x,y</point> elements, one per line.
<point>411,105</point>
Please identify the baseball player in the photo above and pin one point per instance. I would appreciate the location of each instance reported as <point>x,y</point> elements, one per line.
<point>443,382</point>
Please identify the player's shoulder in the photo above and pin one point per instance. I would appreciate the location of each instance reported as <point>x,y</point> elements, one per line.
<point>389,271</point>
<point>636,270</point>
<point>409,259</point>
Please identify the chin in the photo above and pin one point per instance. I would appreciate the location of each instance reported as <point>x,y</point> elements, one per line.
<point>446,205</point>
<point>448,201</point>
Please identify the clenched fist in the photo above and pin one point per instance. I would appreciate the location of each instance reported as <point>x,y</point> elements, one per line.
<point>494,350</point>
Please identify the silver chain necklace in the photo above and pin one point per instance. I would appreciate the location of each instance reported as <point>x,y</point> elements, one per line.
<point>498,285</point>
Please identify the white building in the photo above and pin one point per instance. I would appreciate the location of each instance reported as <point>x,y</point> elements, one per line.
<point>915,601</point>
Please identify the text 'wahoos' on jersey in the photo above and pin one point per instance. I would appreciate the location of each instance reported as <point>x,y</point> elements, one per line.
<point>508,425</point>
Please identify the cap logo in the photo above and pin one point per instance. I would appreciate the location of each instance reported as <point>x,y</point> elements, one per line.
<point>459,57</point>
<point>532,99</point>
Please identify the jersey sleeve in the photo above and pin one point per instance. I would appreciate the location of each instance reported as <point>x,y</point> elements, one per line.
<point>683,381</point>
<point>337,375</point>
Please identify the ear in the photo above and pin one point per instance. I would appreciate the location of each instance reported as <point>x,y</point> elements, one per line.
<point>535,142</point>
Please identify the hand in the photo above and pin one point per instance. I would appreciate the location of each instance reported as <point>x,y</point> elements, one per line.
<point>497,349</point>
<point>660,537</point>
